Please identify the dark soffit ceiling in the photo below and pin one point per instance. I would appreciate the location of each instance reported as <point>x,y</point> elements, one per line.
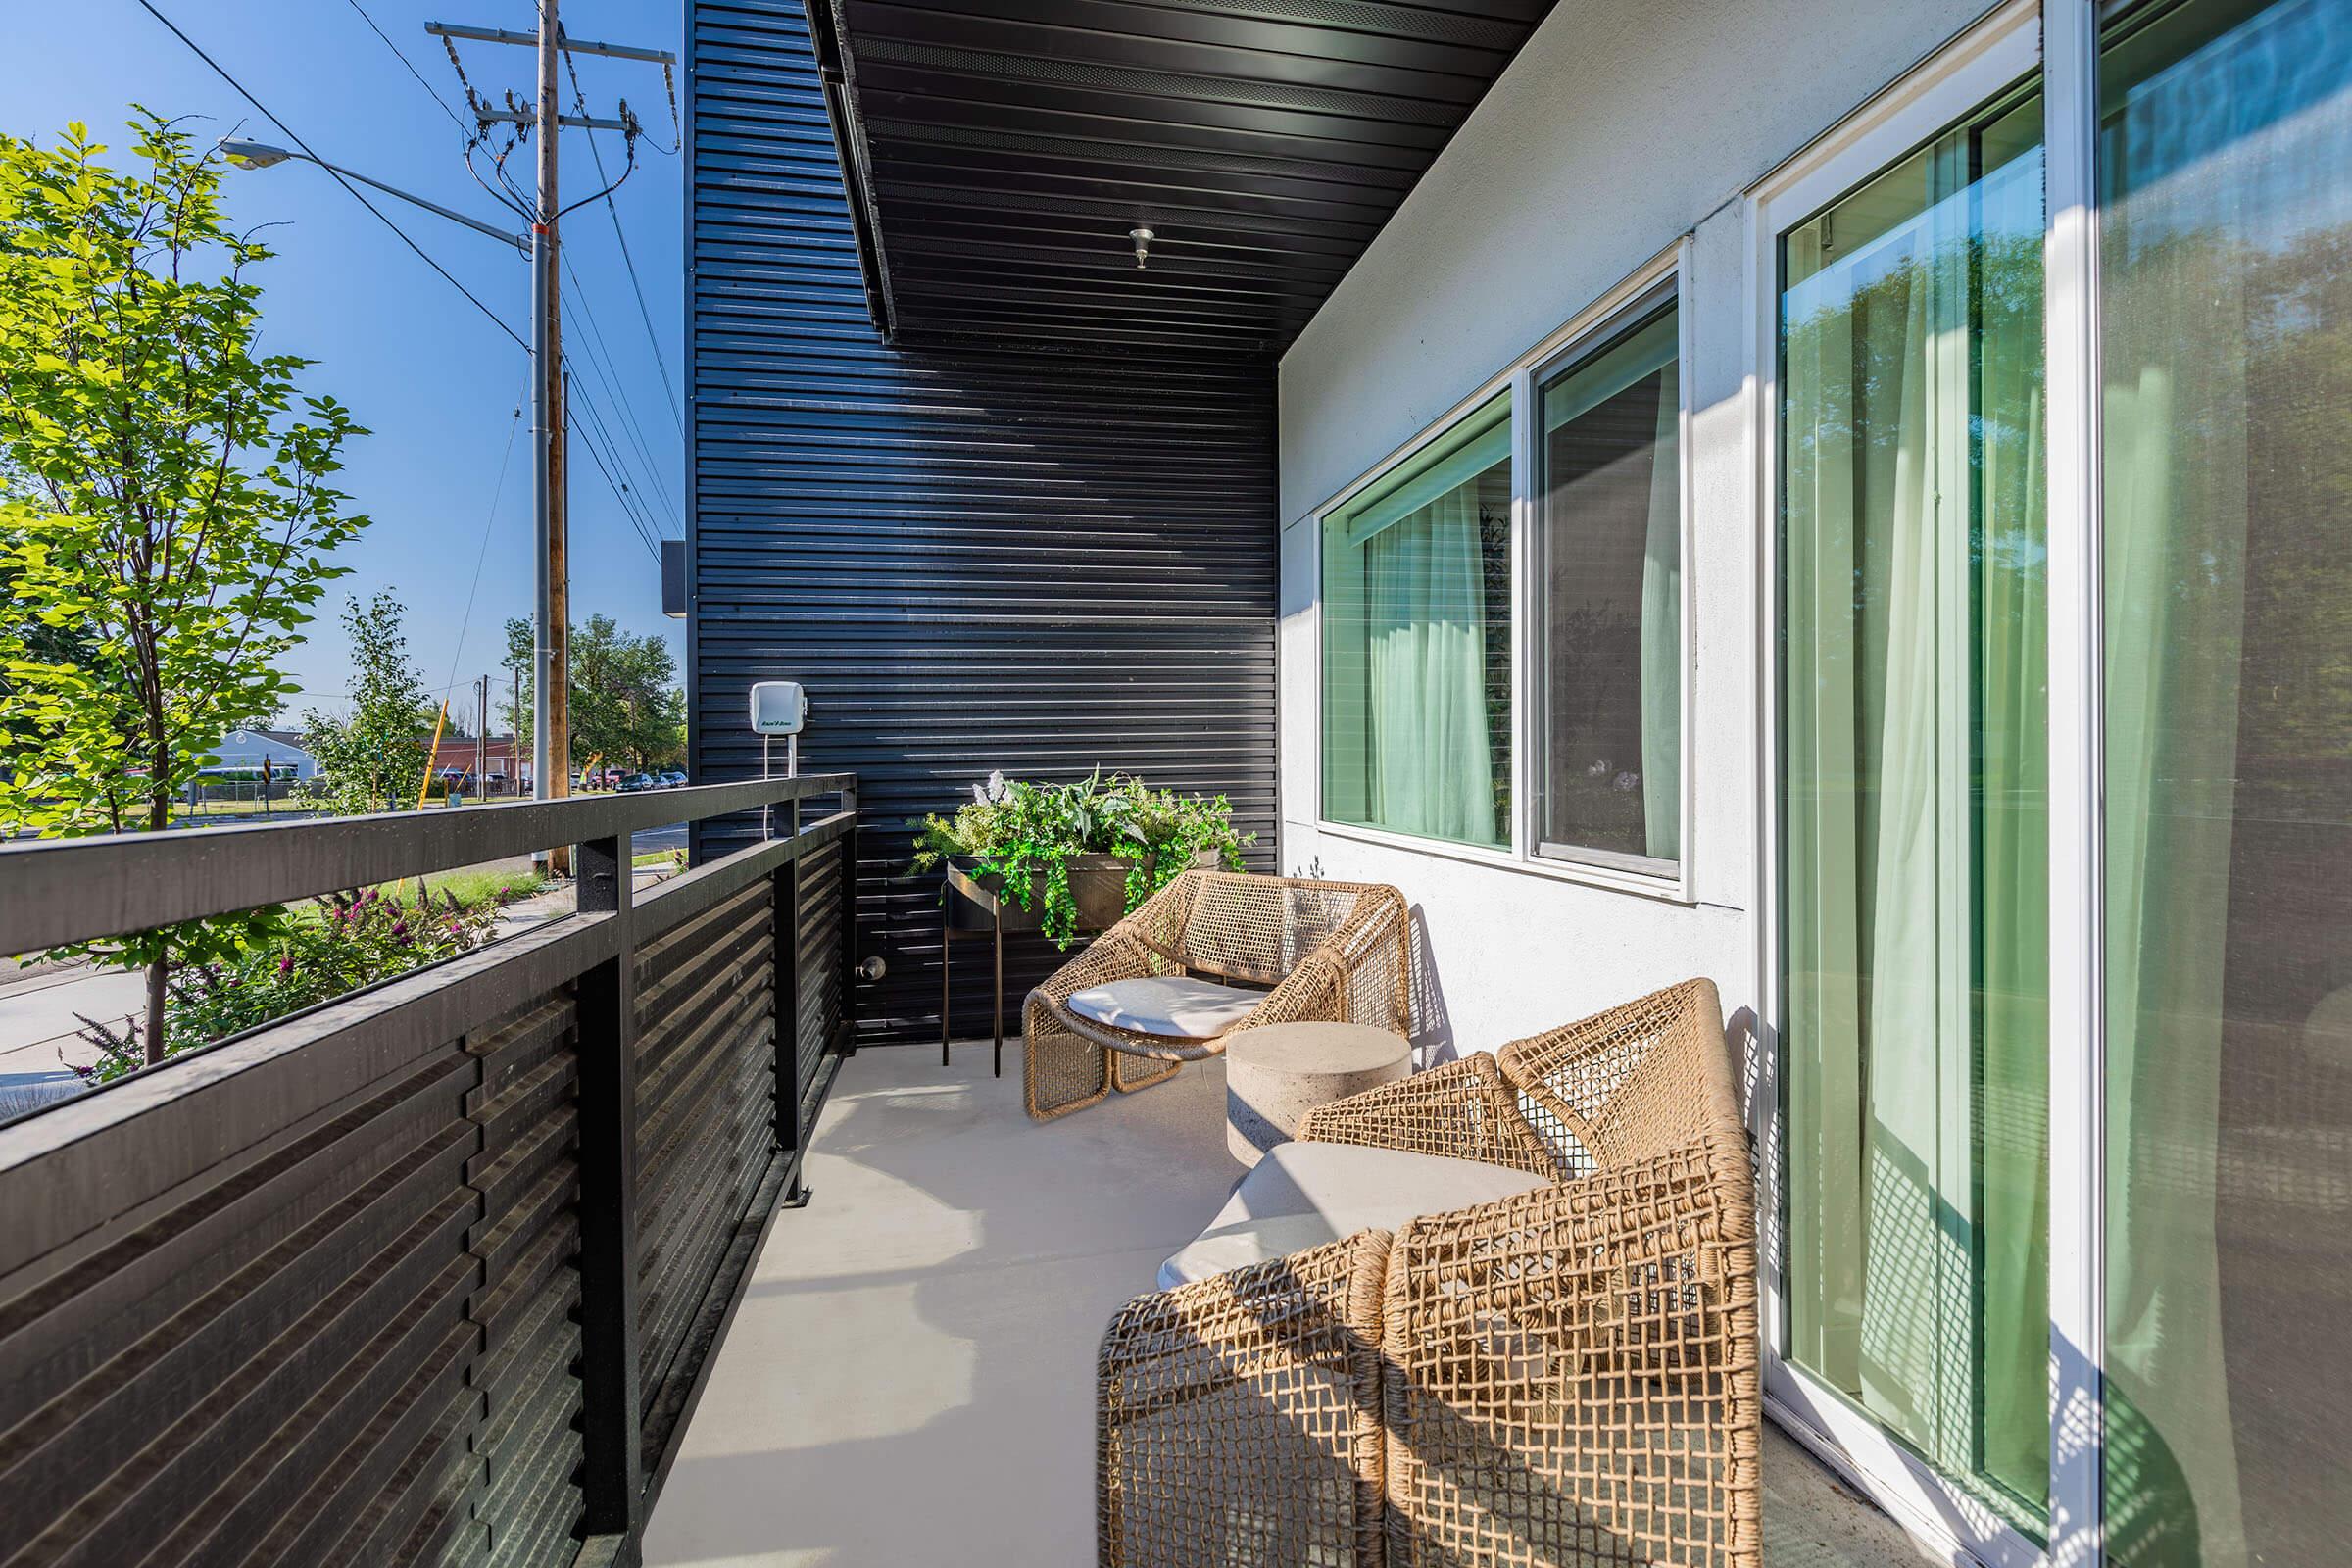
<point>1000,151</point>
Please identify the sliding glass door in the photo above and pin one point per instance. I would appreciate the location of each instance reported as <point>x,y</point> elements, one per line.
<point>2206,927</point>
<point>1914,837</point>
<point>2226,273</point>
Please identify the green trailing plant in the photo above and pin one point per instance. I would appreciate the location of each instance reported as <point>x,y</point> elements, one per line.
<point>1026,836</point>
<point>343,942</point>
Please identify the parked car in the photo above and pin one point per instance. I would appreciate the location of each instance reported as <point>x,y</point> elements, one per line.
<point>673,779</point>
<point>635,782</point>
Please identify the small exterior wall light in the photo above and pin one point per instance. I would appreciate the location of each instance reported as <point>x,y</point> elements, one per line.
<point>1142,245</point>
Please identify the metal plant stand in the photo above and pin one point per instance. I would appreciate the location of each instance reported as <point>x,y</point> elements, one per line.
<point>960,886</point>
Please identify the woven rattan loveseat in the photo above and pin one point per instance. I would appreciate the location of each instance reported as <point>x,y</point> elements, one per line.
<point>1337,950</point>
<point>1566,1376</point>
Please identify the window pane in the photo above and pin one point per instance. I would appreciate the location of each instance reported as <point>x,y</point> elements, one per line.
<point>2227,358</point>
<point>1417,642</point>
<point>1916,833</point>
<point>1612,575</point>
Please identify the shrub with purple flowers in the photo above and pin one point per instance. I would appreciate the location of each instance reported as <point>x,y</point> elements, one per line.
<point>349,940</point>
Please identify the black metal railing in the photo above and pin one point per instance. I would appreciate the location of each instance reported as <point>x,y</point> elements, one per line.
<point>429,1274</point>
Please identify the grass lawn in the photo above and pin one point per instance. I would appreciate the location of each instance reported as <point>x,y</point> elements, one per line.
<point>281,806</point>
<point>505,884</point>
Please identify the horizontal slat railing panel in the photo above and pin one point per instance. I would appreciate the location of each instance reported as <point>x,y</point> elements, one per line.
<point>67,890</point>
<point>85,1162</point>
<point>530,1178</point>
<point>824,886</point>
<point>320,1295</point>
<point>736,1132</point>
<point>732,1026</point>
<point>283,1368</point>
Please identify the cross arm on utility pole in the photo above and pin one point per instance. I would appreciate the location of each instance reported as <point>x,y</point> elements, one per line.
<point>529,116</point>
<point>530,40</point>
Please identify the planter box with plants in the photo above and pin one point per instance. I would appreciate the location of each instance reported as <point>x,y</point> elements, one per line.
<point>1068,859</point>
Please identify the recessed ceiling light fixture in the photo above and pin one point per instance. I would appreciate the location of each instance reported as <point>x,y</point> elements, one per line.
<point>1142,245</point>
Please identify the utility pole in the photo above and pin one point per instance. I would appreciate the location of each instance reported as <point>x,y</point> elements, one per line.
<point>550,662</point>
<point>481,736</point>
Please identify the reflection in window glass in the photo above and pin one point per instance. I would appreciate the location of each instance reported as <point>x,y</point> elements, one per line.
<point>2226,135</point>
<point>1916,831</point>
<point>1611,551</point>
<point>1417,642</point>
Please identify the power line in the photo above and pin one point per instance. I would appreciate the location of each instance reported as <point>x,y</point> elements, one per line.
<point>576,399</point>
<point>644,314</point>
<point>457,651</point>
<point>576,389</point>
<point>600,360</point>
<point>262,108</point>
<point>589,433</point>
<point>413,70</point>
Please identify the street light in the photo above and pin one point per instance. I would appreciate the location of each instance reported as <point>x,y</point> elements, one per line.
<point>260,154</point>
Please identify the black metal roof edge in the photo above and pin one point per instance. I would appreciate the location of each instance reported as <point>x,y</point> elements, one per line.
<point>838,72</point>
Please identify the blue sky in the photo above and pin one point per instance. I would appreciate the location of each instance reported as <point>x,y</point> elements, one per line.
<point>434,380</point>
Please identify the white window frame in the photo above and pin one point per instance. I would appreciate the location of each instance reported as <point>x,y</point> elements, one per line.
<point>2003,47</point>
<point>1533,577</point>
<point>1585,329</point>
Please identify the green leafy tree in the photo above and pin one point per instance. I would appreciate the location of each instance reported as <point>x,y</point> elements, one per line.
<point>623,702</point>
<point>516,703</point>
<point>167,515</point>
<point>368,754</point>
<point>626,705</point>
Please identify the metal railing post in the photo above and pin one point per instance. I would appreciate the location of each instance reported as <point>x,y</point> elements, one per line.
<point>849,920</point>
<point>787,994</point>
<point>613,1482</point>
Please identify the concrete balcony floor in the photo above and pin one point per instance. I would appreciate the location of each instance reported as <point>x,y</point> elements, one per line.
<point>910,1376</point>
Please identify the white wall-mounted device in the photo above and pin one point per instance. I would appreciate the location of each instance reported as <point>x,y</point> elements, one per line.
<point>778,708</point>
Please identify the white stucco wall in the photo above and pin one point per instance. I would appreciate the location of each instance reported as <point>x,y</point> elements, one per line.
<point>1622,125</point>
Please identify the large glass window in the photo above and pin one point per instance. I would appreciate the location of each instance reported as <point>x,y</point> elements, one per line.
<point>1915,883</point>
<point>1610,570</point>
<point>2226,137</point>
<point>1417,642</point>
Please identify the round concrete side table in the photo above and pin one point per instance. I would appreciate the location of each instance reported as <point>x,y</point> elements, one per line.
<point>1277,1074</point>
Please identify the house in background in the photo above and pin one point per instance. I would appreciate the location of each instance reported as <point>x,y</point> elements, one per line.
<point>248,750</point>
<point>495,760</point>
<point>1843,500</point>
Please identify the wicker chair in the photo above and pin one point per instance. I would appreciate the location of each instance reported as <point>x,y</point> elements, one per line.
<point>1569,1376</point>
<point>1338,951</point>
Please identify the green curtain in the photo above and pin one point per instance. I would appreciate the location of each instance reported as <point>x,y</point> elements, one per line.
<point>2010,545</point>
<point>1916,751</point>
<point>2175,504</point>
<point>1866,370</point>
<point>1662,630</point>
<point>1823,1031</point>
<point>1430,756</point>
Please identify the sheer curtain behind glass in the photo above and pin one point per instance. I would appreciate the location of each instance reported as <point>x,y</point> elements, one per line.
<point>1915,736</point>
<point>1612,575</point>
<point>1416,642</point>
<point>2227,309</point>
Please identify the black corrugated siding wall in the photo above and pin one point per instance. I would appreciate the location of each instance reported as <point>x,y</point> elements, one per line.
<point>973,557</point>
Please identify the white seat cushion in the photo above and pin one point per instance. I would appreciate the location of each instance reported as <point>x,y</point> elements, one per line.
<point>1168,1005</point>
<point>1304,1195</point>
